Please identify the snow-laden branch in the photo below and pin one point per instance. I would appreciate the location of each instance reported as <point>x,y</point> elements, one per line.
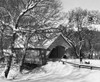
<point>23,13</point>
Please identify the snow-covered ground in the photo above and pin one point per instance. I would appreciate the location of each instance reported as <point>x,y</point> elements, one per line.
<point>57,72</point>
<point>93,62</point>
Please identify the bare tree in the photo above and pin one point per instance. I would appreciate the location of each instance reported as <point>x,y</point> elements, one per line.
<point>78,19</point>
<point>29,17</point>
<point>44,17</point>
<point>15,11</point>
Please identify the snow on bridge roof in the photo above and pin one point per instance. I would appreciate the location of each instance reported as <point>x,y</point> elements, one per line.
<point>58,40</point>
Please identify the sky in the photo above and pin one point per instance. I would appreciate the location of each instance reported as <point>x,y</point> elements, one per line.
<point>84,4</point>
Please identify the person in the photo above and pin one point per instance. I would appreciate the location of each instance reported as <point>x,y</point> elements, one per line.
<point>81,59</point>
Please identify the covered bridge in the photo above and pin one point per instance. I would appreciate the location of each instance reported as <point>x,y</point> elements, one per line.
<point>56,46</point>
<point>50,49</point>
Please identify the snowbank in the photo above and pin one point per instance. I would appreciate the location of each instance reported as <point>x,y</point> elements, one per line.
<point>59,72</point>
<point>94,76</point>
<point>3,72</point>
<point>55,72</point>
<point>58,68</point>
<point>12,73</point>
<point>52,69</point>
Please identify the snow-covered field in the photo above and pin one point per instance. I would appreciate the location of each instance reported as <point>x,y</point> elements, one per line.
<point>57,72</point>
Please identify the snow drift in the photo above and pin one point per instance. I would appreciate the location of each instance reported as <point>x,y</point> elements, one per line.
<point>12,73</point>
<point>55,72</point>
<point>51,70</point>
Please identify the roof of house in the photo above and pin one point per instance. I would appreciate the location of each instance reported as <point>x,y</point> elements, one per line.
<point>48,43</point>
<point>58,40</point>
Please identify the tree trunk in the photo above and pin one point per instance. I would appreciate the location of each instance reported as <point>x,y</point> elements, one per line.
<point>22,62</point>
<point>8,65</point>
<point>80,51</point>
<point>24,55</point>
<point>91,49</point>
<point>75,51</point>
<point>10,57</point>
<point>2,53</point>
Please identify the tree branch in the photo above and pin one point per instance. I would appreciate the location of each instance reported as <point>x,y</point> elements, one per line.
<point>20,16</point>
